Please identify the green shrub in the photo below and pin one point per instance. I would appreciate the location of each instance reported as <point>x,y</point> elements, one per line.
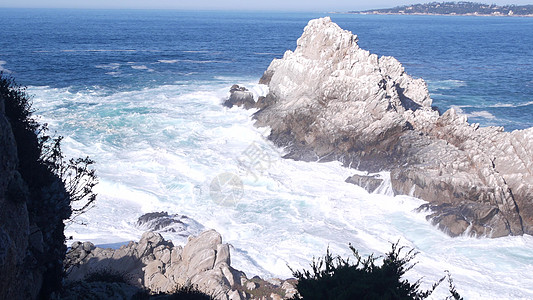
<point>336,278</point>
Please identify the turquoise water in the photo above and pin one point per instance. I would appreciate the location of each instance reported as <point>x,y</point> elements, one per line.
<point>140,92</point>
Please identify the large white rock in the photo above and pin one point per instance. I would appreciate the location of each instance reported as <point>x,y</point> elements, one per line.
<point>330,99</point>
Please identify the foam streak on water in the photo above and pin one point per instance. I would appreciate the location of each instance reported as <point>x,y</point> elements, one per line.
<point>158,149</point>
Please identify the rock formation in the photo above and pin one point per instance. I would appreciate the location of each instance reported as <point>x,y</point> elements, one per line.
<point>240,96</point>
<point>16,281</point>
<point>158,266</point>
<point>175,223</point>
<point>331,100</point>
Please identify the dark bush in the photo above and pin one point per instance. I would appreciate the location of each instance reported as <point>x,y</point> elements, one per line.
<point>188,292</point>
<point>453,292</point>
<point>336,278</point>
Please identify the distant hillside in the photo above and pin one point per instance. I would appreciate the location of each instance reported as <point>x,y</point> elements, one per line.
<point>455,8</point>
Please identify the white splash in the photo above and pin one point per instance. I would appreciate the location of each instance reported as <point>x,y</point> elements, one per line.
<point>445,84</point>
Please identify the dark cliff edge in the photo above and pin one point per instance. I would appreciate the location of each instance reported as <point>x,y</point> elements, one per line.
<point>331,100</point>
<point>33,204</point>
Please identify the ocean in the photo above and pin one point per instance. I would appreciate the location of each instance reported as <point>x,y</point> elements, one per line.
<point>140,92</point>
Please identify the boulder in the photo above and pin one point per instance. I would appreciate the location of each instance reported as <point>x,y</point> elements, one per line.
<point>370,182</point>
<point>157,265</point>
<point>240,96</point>
<point>164,222</point>
<point>159,221</point>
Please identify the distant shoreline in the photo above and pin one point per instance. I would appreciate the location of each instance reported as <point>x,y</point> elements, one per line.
<point>463,8</point>
<point>431,14</point>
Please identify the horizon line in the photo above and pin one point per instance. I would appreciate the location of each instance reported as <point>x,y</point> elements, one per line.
<point>177,9</point>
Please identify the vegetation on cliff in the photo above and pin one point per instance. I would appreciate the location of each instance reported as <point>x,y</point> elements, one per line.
<point>49,185</point>
<point>455,8</point>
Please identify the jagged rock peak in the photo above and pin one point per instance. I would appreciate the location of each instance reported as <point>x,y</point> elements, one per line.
<point>328,59</point>
<point>324,34</point>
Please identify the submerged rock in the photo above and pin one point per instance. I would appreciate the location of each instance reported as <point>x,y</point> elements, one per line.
<point>331,100</point>
<point>175,223</point>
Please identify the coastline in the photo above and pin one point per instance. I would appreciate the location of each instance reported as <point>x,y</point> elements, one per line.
<point>430,14</point>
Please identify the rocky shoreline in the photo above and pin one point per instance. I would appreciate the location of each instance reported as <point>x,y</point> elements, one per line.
<point>331,100</point>
<point>430,14</point>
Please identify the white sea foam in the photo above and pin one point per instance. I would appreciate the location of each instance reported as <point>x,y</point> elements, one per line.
<point>2,69</point>
<point>159,149</point>
<point>111,66</point>
<point>175,61</point>
<point>445,84</point>
<point>474,114</point>
<point>142,67</point>
<point>497,105</point>
<point>481,114</point>
<point>169,61</point>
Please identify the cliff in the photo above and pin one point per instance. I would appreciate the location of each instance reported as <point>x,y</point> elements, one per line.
<point>331,100</point>
<point>33,205</point>
<point>14,220</point>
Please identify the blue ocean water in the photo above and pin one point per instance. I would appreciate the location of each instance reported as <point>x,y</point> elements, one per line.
<point>482,65</point>
<point>140,92</point>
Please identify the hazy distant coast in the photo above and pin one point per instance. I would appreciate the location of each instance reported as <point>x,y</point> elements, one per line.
<point>454,9</point>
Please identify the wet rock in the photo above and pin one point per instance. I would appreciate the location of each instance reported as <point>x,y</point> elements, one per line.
<point>240,96</point>
<point>369,183</point>
<point>160,221</point>
<point>164,222</point>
